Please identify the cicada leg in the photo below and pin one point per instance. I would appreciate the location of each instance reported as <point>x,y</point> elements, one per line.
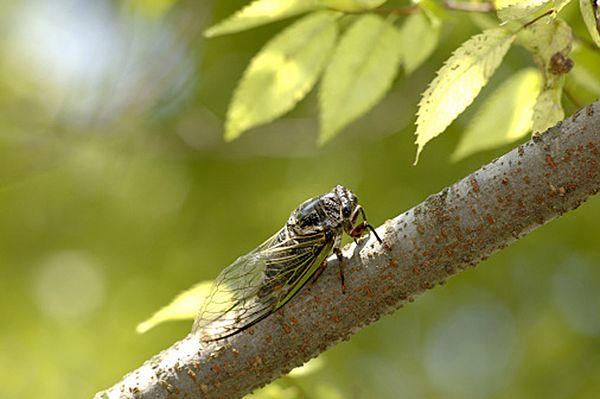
<point>318,272</point>
<point>358,230</point>
<point>338,253</point>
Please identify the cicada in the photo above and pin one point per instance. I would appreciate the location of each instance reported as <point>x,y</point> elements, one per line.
<point>262,281</point>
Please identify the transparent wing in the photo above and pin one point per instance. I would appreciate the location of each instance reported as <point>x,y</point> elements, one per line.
<point>258,283</point>
<point>233,297</point>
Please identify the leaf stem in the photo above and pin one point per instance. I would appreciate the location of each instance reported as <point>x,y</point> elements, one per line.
<point>533,21</point>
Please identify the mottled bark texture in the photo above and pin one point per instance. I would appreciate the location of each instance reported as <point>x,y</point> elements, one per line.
<point>450,231</point>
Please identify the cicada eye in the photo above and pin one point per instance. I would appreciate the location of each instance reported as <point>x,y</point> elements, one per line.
<point>346,211</point>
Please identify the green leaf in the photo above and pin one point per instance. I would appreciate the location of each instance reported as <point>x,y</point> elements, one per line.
<point>544,39</point>
<point>361,71</point>
<point>547,40</point>
<point>282,73</point>
<point>415,52</point>
<point>185,306</point>
<point>514,10</point>
<point>548,110</point>
<point>591,16</point>
<point>261,12</point>
<point>459,81</point>
<point>352,5</point>
<point>504,117</point>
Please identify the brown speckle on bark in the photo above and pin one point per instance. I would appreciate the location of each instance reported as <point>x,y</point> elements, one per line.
<point>550,161</point>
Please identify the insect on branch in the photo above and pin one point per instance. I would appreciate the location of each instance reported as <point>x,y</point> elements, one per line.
<point>452,230</point>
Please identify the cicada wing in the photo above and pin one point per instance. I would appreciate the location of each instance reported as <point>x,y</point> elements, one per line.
<point>258,283</point>
<point>304,258</point>
<point>232,298</point>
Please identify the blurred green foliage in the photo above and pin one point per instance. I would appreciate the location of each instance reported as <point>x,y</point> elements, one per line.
<point>117,192</point>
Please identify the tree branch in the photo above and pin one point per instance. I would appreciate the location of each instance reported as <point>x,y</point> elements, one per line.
<point>456,228</point>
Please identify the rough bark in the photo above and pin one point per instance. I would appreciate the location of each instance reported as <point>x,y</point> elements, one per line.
<point>460,226</point>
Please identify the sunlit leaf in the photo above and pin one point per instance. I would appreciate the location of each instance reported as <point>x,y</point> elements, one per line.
<point>504,117</point>
<point>185,306</point>
<point>361,71</point>
<point>261,12</point>
<point>591,16</point>
<point>415,52</point>
<point>548,110</point>
<point>459,81</point>
<point>352,5</point>
<point>281,74</point>
<point>520,9</point>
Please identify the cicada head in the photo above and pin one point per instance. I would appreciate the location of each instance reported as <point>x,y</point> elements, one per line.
<point>347,206</point>
<point>350,212</point>
<point>337,211</point>
<point>352,215</point>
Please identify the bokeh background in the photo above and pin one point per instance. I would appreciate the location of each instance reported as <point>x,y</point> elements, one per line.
<point>117,192</point>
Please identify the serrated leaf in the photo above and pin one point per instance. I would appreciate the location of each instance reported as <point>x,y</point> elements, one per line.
<point>591,17</point>
<point>282,73</point>
<point>548,110</point>
<point>504,117</point>
<point>459,81</point>
<point>415,52</point>
<point>185,306</point>
<point>520,9</point>
<point>361,71</point>
<point>261,12</point>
